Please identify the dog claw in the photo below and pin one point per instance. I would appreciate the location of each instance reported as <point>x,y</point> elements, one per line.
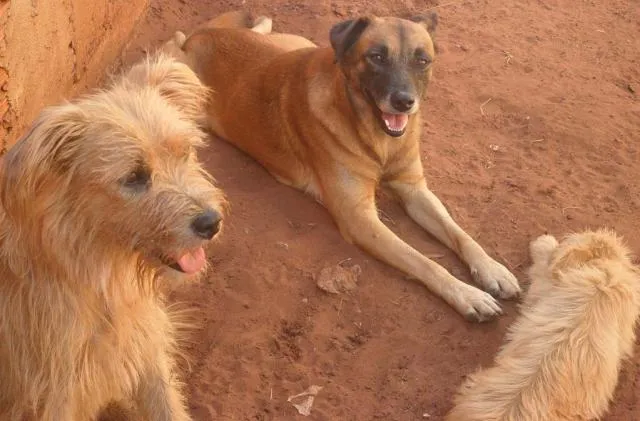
<point>479,306</point>
<point>496,279</point>
<point>494,290</point>
<point>473,316</point>
<point>478,317</point>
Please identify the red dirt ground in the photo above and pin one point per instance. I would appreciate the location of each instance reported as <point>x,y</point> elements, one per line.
<point>532,125</point>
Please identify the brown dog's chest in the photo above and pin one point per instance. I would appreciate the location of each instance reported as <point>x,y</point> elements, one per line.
<point>347,132</point>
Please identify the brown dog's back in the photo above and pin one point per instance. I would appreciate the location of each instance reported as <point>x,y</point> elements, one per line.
<point>253,77</point>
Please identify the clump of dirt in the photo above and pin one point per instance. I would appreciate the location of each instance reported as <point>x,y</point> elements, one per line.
<point>338,279</point>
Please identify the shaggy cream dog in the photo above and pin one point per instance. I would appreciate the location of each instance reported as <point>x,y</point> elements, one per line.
<point>563,355</point>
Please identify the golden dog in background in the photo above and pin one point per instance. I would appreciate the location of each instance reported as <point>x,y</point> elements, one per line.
<point>99,201</point>
<point>563,355</point>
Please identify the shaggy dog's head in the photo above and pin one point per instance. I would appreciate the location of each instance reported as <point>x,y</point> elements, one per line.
<point>113,180</point>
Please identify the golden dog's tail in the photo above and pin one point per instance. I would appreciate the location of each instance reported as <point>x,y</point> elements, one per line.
<point>240,19</point>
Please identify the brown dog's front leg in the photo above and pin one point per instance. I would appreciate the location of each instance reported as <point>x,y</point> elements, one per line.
<point>426,209</point>
<point>352,206</point>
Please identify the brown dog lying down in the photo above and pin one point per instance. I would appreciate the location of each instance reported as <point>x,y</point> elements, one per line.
<point>99,202</point>
<point>337,123</point>
<point>563,355</point>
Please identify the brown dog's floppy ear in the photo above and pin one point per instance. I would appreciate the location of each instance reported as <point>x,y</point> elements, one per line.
<point>345,34</point>
<point>428,20</point>
<point>44,151</point>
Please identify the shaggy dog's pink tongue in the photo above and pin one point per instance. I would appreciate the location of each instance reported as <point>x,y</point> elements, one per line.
<point>395,122</point>
<point>192,262</point>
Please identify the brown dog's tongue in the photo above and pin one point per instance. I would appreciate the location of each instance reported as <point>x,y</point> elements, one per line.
<point>193,262</point>
<point>395,122</point>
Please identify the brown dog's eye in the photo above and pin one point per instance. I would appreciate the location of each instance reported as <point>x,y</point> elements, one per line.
<point>421,57</point>
<point>377,58</point>
<point>423,61</point>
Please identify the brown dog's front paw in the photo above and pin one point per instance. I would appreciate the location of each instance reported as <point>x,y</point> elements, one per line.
<point>476,305</point>
<point>496,279</point>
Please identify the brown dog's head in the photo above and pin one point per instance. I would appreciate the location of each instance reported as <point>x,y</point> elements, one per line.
<point>387,61</point>
<point>113,179</point>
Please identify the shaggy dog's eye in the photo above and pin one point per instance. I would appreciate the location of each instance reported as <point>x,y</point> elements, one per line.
<point>138,179</point>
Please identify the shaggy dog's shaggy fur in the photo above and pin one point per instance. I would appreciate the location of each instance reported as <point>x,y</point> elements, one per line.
<point>563,354</point>
<point>101,200</point>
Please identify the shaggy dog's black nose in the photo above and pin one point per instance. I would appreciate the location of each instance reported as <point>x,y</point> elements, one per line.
<point>207,224</point>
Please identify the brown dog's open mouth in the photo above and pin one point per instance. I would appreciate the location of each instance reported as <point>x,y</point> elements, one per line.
<point>394,124</point>
<point>391,123</point>
<point>190,263</point>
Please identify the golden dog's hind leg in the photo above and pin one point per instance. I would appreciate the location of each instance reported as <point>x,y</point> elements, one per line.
<point>428,211</point>
<point>352,206</point>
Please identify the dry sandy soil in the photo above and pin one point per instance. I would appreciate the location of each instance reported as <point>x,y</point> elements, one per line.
<point>532,126</point>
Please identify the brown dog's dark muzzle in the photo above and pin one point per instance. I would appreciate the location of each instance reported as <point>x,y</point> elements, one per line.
<point>402,101</point>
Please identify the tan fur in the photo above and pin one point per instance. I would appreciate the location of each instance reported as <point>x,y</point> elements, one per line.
<point>83,323</point>
<point>261,24</point>
<point>289,105</point>
<point>240,19</point>
<point>563,354</point>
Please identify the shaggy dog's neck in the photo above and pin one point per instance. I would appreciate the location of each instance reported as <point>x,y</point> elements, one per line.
<point>71,261</point>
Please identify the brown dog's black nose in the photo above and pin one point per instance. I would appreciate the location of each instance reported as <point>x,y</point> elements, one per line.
<point>402,101</point>
<point>207,224</point>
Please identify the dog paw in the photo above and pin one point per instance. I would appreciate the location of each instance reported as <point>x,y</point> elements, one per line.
<point>496,279</point>
<point>476,305</point>
<point>542,247</point>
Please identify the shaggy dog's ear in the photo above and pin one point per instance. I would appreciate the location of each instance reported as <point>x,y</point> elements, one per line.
<point>174,80</point>
<point>40,156</point>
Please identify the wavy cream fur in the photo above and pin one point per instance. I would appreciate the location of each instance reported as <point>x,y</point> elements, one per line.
<point>563,354</point>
